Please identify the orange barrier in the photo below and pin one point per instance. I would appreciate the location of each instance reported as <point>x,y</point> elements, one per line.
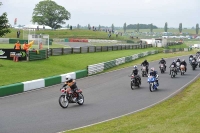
<point>78,40</point>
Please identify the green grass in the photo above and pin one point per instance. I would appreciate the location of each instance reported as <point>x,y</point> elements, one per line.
<point>85,34</point>
<point>179,114</point>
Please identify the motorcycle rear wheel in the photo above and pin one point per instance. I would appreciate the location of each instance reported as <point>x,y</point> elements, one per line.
<point>62,102</point>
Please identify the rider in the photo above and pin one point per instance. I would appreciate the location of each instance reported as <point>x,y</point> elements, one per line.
<point>173,63</point>
<point>136,74</point>
<point>71,83</point>
<point>155,74</point>
<point>178,60</point>
<point>162,61</point>
<point>184,63</point>
<point>145,63</point>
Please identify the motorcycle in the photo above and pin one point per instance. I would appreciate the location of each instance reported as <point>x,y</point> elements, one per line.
<point>70,97</point>
<point>152,83</point>
<point>144,71</point>
<point>178,66</point>
<point>190,60</point>
<point>173,74</point>
<point>162,68</point>
<point>193,64</point>
<point>182,69</point>
<point>198,61</point>
<point>134,82</point>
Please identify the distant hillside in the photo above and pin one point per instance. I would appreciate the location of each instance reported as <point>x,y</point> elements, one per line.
<point>141,26</point>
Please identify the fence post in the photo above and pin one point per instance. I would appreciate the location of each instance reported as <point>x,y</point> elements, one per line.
<point>62,51</point>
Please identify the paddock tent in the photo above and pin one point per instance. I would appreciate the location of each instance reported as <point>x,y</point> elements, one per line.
<point>31,26</point>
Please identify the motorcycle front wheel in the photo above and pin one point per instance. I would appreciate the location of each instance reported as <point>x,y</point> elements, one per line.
<point>63,101</point>
<point>151,87</point>
<point>81,99</point>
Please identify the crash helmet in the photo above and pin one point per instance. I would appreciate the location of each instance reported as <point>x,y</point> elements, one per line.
<point>152,69</point>
<point>68,78</point>
<point>135,67</point>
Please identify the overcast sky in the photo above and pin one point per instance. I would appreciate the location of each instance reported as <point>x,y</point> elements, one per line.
<point>117,12</point>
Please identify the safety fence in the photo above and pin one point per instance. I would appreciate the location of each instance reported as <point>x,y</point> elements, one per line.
<point>176,50</point>
<point>100,67</point>
<point>92,49</point>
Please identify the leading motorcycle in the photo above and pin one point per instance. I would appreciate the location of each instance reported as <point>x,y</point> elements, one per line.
<point>70,97</point>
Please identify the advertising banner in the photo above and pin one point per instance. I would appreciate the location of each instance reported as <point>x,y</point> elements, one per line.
<point>10,53</point>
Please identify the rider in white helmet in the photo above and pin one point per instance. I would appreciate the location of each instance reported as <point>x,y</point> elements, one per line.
<point>71,83</point>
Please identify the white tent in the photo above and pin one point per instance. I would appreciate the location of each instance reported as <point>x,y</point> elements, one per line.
<point>31,26</point>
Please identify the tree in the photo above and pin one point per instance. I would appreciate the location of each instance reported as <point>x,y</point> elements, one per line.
<point>124,27</point>
<point>151,27</point>
<point>99,27</point>
<point>49,13</point>
<point>89,27</point>
<point>166,27</point>
<point>197,29</point>
<point>180,27</point>
<point>4,26</point>
<point>78,26</point>
<point>113,28</point>
<point>138,27</point>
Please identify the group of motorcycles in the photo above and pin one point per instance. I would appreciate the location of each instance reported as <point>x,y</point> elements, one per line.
<point>152,80</point>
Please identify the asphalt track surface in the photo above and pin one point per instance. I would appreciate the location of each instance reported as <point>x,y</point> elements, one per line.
<point>106,95</point>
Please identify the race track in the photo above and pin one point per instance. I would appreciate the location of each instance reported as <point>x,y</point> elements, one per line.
<point>106,95</point>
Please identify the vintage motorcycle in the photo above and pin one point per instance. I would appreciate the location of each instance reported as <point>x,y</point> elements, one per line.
<point>173,69</point>
<point>178,66</point>
<point>134,82</point>
<point>70,97</point>
<point>144,71</point>
<point>194,64</point>
<point>162,68</point>
<point>182,69</point>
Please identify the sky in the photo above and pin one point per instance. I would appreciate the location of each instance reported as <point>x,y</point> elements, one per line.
<point>117,12</point>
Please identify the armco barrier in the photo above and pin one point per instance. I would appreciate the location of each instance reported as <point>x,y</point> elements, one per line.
<point>81,73</point>
<point>11,89</point>
<point>100,67</point>
<point>52,80</point>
